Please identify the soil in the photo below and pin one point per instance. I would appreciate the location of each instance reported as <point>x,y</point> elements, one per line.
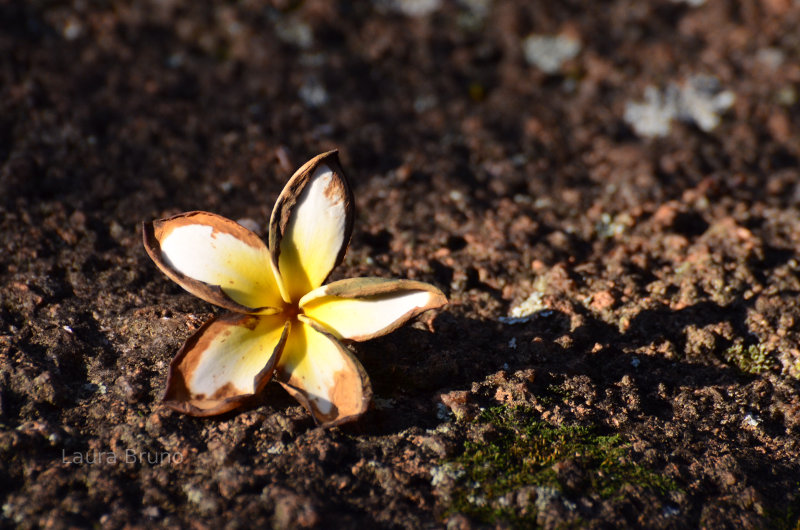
<point>634,298</point>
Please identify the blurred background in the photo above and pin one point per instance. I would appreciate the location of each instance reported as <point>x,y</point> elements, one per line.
<point>169,104</point>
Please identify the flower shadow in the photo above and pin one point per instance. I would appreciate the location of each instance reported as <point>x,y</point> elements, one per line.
<point>413,367</point>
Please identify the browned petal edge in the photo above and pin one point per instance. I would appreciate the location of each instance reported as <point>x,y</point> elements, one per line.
<point>282,212</point>
<point>372,286</point>
<point>176,394</point>
<point>346,379</point>
<point>153,232</point>
<point>366,287</point>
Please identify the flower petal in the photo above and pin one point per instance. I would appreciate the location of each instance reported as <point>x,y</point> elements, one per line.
<point>215,259</point>
<point>320,373</point>
<point>365,308</point>
<point>311,225</point>
<point>230,358</point>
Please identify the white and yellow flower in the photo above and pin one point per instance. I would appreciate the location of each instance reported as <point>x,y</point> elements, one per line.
<point>282,321</point>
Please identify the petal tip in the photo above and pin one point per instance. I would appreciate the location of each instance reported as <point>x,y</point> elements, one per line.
<point>205,409</point>
<point>311,225</point>
<point>438,298</point>
<point>336,416</point>
<point>325,377</point>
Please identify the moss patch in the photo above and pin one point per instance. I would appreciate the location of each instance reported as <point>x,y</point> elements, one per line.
<point>528,464</point>
<point>753,359</point>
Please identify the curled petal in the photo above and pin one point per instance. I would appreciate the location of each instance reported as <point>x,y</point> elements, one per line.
<point>225,362</point>
<point>320,373</point>
<point>311,225</point>
<point>365,308</point>
<point>215,259</point>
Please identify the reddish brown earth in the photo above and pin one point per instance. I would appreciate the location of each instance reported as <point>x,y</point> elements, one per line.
<point>664,271</point>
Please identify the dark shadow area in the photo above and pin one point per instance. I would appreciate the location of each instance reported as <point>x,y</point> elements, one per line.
<point>433,362</point>
<point>410,368</point>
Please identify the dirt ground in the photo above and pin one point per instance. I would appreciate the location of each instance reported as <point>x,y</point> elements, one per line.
<point>620,348</point>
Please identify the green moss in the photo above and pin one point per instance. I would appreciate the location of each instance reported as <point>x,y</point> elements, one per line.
<point>523,457</point>
<point>753,359</point>
<point>555,394</point>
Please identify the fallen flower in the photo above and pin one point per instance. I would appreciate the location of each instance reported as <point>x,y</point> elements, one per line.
<point>282,320</point>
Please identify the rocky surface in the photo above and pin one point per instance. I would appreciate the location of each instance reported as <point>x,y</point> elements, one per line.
<point>621,343</point>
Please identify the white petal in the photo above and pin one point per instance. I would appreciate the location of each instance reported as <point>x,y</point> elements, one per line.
<point>323,376</point>
<point>364,308</point>
<point>227,360</point>
<point>216,259</point>
<point>311,225</point>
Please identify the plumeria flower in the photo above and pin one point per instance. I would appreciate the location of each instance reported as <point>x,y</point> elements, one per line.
<point>282,320</point>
